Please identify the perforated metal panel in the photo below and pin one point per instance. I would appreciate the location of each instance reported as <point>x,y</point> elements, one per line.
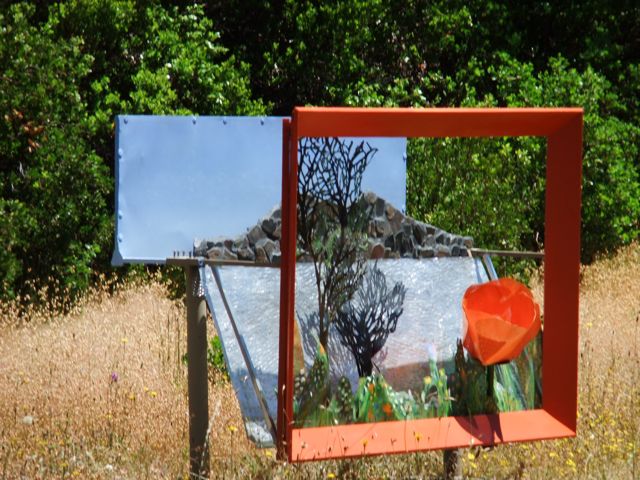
<point>429,326</point>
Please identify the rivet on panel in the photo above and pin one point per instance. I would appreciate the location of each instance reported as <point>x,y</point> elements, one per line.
<point>262,121</point>
<point>224,121</point>
<point>404,157</point>
<point>120,238</point>
<point>193,120</point>
<point>120,152</point>
<point>126,120</point>
<point>120,214</point>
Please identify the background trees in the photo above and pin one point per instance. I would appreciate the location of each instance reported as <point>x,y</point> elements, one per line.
<point>68,67</point>
<point>67,70</point>
<point>54,221</point>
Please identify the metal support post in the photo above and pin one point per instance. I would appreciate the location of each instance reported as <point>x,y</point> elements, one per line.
<point>197,376</point>
<point>453,464</point>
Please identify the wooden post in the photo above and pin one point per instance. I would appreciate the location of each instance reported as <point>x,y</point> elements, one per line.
<point>453,464</point>
<point>197,376</point>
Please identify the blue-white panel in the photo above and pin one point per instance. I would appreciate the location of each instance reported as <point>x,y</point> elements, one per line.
<point>180,177</point>
<point>386,175</point>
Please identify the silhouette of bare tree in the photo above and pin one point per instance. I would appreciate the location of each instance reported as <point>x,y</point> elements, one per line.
<point>365,323</point>
<point>332,221</point>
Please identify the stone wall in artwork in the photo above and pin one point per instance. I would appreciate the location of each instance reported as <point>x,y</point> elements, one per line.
<point>391,235</point>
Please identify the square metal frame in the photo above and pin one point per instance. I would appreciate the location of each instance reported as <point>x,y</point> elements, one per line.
<point>562,128</point>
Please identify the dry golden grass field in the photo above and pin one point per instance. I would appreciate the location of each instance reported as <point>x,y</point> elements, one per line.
<point>101,393</point>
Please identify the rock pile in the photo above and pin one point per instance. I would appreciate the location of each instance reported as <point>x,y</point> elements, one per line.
<point>391,235</point>
<point>395,235</point>
<point>260,244</point>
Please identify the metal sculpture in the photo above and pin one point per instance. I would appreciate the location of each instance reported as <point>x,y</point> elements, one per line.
<point>557,418</point>
<point>331,221</point>
<point>366,322</point>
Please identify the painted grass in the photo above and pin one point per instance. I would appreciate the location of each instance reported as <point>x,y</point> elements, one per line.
<point>101,394</point>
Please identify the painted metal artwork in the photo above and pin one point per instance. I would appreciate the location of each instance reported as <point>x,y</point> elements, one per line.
<point>244,303</point>
<point>507,387</point>
<point>357,301</point>
<point>501,318</point>
<point>369,355</point>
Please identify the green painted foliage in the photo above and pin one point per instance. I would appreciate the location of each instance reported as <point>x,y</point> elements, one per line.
<point>317,402</point>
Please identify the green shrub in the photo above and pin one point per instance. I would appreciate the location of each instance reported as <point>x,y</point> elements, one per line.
<point>215,358</point>
<point>53,186</point>
<point>69,67</point>
<point>65,76</point>
<point>493,189</point>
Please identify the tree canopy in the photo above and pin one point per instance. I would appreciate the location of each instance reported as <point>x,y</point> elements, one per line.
<point>69,67</point>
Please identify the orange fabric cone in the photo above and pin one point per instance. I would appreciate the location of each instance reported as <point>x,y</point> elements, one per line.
<point>501,317</point>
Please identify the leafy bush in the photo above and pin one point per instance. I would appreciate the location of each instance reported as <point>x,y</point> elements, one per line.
<point>216,365</point>
<point>452,53</point>
<point>69,67</point>
<point>52,184</point>
<point>66,75</point>
<point>493,189</point>
<point>215,358</point>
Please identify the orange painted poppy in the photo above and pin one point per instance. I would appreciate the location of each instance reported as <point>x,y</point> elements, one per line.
<point>501,317</point>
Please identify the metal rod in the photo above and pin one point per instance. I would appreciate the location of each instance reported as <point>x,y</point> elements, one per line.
<point>198,382</point>
<point>245,355</point>
<point>195,261</point>
<point>475,252</point>
<point>488,264</point>
<point>287,289</point>
<point>479,252</point>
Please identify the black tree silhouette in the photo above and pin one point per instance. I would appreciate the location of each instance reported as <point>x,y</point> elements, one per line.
<point>332,221</point>
<point>365,323</point>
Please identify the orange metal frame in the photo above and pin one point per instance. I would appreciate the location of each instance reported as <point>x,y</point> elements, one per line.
<point>562,128</point>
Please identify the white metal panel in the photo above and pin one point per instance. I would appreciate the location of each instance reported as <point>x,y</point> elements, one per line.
<point>180,177</point>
